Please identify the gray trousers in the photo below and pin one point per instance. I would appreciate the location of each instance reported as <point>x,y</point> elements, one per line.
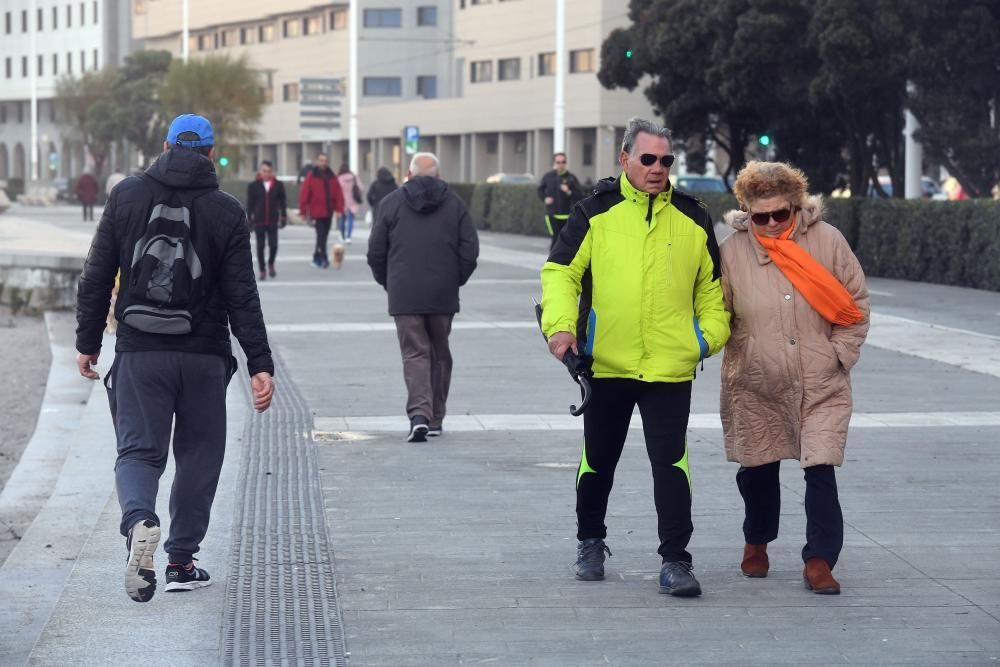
<point>423,342</point>
<point>149,392</point>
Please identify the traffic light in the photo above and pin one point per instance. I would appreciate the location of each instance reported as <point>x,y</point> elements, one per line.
<point>764,140</point>
<point>223,161</point>
<point>628,54</point>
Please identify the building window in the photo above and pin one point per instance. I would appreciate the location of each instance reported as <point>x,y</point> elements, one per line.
<point>83,61</point>
<point>39,23</point>
<point>83,13</point>
<point>292,28</point>
<point>9,65</point>
<point>427,16</point>
<point>492,146</point>
<point>383,18</point>
<point>311,25</point>
<point>204,42</point>
<point>20,112</point>
<point>52,112</point>
<point>248,35</point>
<point>41,66</point>
<point>24,66</point>
<point>482,71</point>
<point>69,16</point>
<point>267,87</point>
<point>509,69</point>
<point>588,155</point>
<point>69,62</point>
<point>581,60</point>
<point>267,33</point>
<point>547,64</point>
<point>427,87</point>
<point>55,18</point>
<point>290,92</point>
<point>338,19</point>
<point>229,37</point>
<point>24,20</point>
<point>95,12</point>
<point>383,86</point>
<point>96,65</point>
<point>3,113</point>
<point>7,22</point>
<point>55,64</point>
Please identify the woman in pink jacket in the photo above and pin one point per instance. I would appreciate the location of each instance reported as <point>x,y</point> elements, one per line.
<point>353,196</point>
<point>799,307</point>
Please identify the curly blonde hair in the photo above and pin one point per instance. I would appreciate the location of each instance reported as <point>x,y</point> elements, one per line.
<point>762,180</point>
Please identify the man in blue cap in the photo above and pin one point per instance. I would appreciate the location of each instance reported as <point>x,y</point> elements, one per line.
<point>183,249</point>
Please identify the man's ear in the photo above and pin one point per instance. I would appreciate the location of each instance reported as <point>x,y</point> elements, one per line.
<point>211,153</point>
<point>409,174</point>
<point>623,159</point>
<point>166,146</point>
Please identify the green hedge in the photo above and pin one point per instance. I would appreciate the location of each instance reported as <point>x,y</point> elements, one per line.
<point>953,243</point>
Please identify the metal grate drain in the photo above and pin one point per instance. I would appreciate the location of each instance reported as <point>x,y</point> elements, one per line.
<point>281,597</point>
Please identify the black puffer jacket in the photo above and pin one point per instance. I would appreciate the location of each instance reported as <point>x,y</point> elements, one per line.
<point>383,185</point>
<point>220,238</point>
<point>423,247</point>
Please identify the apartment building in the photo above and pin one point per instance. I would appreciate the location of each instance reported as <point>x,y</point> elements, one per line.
<point>70,37</point>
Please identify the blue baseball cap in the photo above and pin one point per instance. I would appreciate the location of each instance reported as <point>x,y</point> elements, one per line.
<point>189,122</point>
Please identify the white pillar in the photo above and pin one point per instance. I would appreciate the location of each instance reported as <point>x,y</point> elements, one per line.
<point>914,152</point>
<point>185,32</point>
<point>33,170</point>
<point>352,145</point>
<point>559,109</point>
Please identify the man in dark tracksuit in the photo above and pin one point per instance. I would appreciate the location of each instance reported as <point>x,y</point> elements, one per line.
<point>267,210</point>
<point>159,380</point>
<point>559,190</point>
<point>422,248</point>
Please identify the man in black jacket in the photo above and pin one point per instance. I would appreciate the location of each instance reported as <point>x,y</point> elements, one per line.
<point>267,210</point>
<point>158,379</point>
<point>423,247</point>
<point>559,191</point>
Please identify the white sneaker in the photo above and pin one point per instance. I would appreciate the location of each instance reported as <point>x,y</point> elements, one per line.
<point>140,575</point>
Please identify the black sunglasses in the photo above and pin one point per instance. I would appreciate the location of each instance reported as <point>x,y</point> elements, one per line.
<point>781,215</point>
<point>648,159</point>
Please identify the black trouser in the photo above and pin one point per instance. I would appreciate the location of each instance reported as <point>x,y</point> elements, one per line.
<point>665,408</point>
<point>270,234</point>
<point>88,211</point>
<point>149,391</point>
<point>555,224</point>
<point>761,491</point>
<point>322,234</point>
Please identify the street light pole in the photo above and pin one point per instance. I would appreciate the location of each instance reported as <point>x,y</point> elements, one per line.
<point>559,108</point>
<point>352,139</point>
<point>914,152</point>
<point>33,68</point>
<point>185,36</point>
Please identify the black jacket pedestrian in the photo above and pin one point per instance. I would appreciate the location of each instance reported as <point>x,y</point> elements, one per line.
<point>266,208</point>
<point>551,187</point>
<point>384,183</point>
<point>423,247</point>
<point>222,241</point>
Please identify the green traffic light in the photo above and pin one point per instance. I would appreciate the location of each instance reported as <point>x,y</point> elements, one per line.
<point>628,54</point>
<point>223,161</point>
<point>764,140</point>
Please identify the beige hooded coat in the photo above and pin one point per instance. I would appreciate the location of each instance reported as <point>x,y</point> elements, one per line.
<point>786,386</point>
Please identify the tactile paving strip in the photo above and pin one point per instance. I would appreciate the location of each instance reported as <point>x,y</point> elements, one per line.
<point>281,597</point>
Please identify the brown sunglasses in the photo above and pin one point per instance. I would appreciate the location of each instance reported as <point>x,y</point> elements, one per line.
<point>780,215</point>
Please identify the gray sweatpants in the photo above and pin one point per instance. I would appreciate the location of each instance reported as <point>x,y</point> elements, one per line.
<point>149,392</point>
<point>423,343</point>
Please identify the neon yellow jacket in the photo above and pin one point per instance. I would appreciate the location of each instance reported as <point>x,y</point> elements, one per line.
<point>637,278</point>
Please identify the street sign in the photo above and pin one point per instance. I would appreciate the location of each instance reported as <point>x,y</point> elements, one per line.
<point>411,139</point>
<point>319,108</point>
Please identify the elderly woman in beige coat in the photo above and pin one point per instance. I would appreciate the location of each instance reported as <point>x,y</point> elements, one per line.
<point>799,309</point>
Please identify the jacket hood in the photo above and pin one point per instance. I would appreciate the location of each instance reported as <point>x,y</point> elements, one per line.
<point>325,171</point>
<point>812,212</point>
<point>385,176</point>
<point>182,169</point>
<point>424,193</point>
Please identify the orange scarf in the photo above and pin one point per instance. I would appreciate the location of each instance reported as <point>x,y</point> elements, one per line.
<point>819,287</point>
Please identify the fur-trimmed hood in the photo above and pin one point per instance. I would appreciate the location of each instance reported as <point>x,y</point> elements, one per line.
<point>812,212</point>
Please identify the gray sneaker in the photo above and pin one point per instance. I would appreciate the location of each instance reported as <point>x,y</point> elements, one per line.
<point>590,559</point>
<point>140,575</point>
<point>676,578</point>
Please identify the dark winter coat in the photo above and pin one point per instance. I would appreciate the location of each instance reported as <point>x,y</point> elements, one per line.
<point>423,247</point>
<point>265,208</point>
<point>320,195</point>
<point>86,189</point>
<point>551,186</point>
<point>221,239</point>
<point>384,183</point>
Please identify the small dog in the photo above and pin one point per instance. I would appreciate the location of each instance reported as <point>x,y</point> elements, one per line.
<point>338,255</point>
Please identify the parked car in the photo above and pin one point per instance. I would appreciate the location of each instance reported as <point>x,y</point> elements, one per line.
<point>695,183</point>
<point>507,178</point>
<point>64,189</point>
<point>929,186</point>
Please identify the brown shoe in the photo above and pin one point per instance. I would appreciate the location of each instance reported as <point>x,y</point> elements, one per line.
<point>818,577</point>
<point>755,563</point>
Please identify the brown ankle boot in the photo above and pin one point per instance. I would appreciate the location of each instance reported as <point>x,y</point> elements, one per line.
<point>755,561</point>
<point>818,577</point>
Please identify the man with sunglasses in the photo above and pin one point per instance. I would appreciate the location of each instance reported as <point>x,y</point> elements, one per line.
<point>633,282</point>
<point>559,190</point>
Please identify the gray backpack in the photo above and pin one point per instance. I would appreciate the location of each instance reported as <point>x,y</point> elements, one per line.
<point>165,291</point>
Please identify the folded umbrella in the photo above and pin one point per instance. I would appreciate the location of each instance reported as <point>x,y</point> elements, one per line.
<point>578,366</point>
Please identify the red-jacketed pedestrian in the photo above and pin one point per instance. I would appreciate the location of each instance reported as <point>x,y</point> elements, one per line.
<point>320,198</point>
